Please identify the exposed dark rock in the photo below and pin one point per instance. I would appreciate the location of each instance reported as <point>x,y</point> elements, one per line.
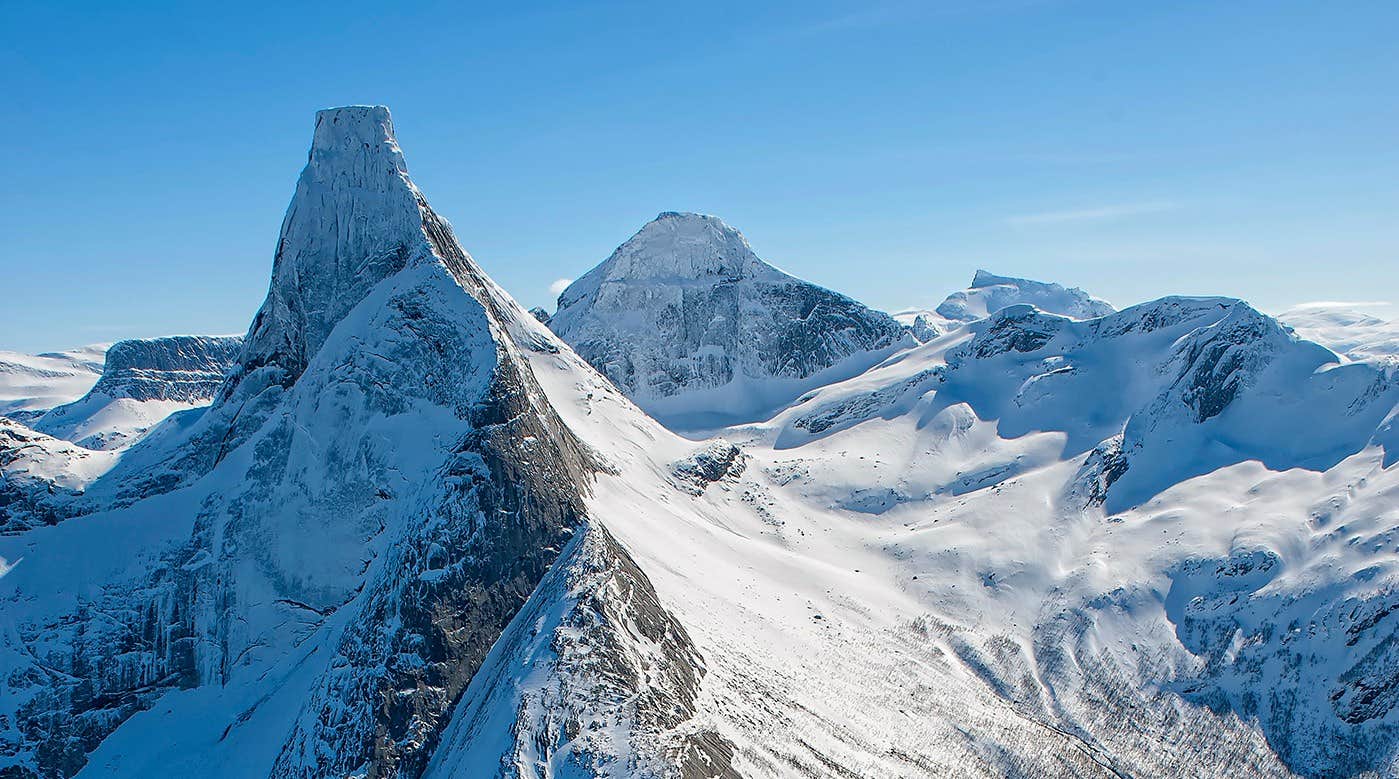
<point>715,461</point>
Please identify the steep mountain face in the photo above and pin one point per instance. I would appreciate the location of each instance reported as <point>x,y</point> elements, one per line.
<point>695,329</point>
<point>990,293</point>
<point>143,382</point>
<point>307,575</point>
<point>31,384</point>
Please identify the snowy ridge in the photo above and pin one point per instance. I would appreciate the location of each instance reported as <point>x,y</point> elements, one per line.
<point>1354,333</point>
<point>698,331</point>
<point>1146,498</point>
<point>990,293</point>
<point>34,468</point>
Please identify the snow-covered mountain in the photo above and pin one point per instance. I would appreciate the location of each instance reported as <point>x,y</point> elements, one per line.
<point>37,471</point>
<point>990,293</point>
<point>31,384</point>
<point>698,331</point>
<point>142,383</point>
<point>417,534</point>
<point>1346,329</point>
<point>306,576</point>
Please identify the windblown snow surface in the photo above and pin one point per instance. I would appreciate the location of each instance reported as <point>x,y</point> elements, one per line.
<point>416,534</point>
<point>1347,329</point>
<point>30,384</point>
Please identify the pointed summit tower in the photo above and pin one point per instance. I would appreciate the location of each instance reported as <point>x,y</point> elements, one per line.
<point>355,220</point>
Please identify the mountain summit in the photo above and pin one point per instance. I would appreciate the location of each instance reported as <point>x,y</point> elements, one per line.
<point>355,220</point>
<point>677,247</point>
<point>687,321</point>
<point>327,554</point>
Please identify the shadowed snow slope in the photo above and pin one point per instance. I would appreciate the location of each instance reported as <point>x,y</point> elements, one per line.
<point>698,331</point>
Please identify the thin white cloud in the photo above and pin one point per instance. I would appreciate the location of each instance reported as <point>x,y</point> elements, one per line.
<point>558,287</point>
<point>1098,214</point>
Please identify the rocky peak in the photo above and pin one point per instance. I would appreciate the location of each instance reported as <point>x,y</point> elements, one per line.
<point>355,219</point>
<point>676,247</point>
<point>1217,361</point>
<point>685,306</point>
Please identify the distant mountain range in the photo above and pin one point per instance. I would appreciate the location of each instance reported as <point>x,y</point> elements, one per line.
<point>704,520</point>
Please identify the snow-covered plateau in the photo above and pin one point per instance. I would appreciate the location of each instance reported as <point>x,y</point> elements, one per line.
<point>413,530</point>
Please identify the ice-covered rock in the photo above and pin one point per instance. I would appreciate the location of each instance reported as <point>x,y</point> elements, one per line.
<point>687,321</point>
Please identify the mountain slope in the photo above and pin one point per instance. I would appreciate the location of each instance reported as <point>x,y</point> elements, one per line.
<point>1357,335</point>
<point>698,331</point>
<point>416,534</point>
<point>1180,503</point>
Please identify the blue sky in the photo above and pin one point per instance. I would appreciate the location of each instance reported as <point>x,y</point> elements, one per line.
<point>886,150</point>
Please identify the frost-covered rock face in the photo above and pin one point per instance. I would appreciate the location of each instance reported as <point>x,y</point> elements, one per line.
<point>183,367</point>
<point>695,329</point>
<point>330,255</point>
<point>143,382</point>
